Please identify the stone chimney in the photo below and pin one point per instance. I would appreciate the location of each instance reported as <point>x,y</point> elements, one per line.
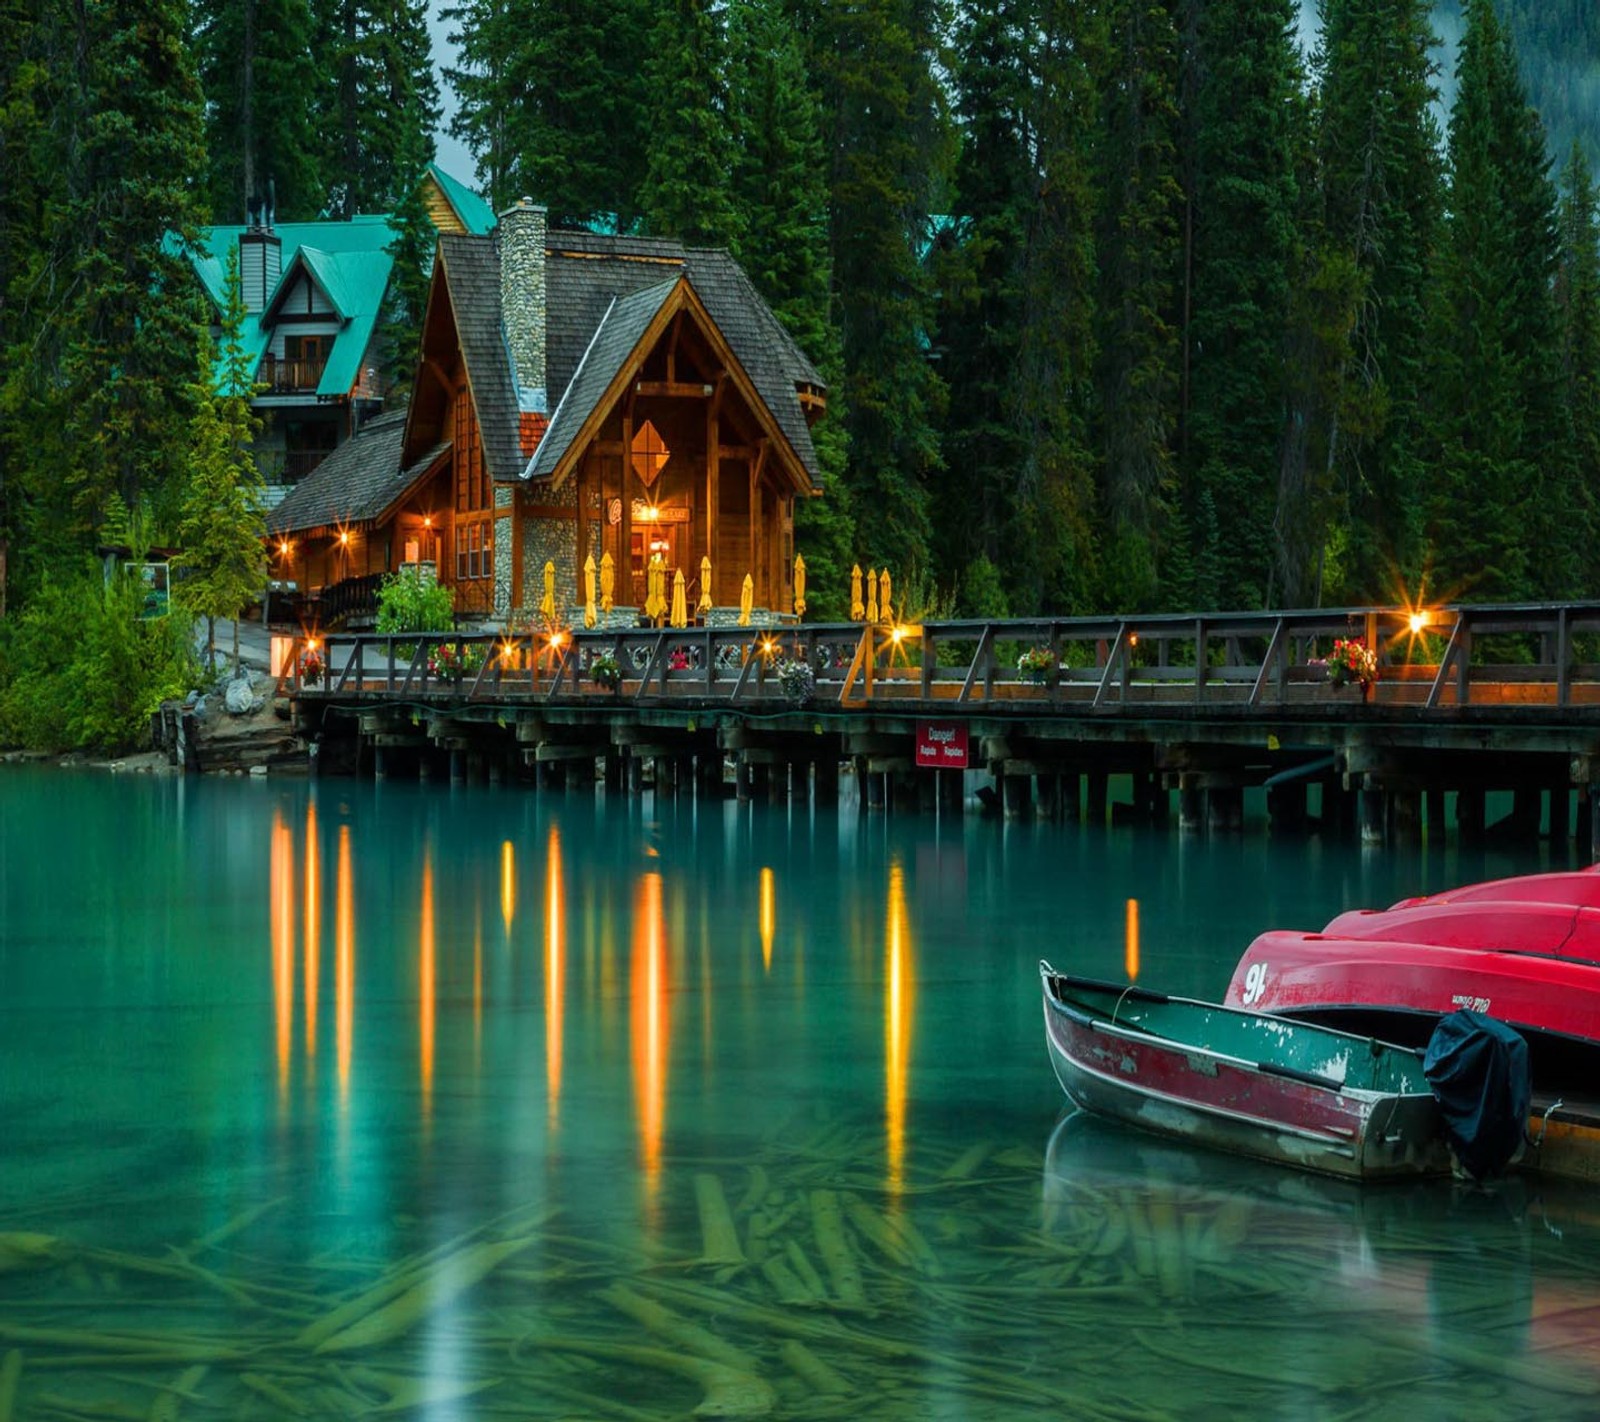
<point>522,233</point>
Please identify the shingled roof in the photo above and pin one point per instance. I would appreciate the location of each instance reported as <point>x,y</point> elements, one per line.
<point>355,484</point>
<point>594,297</point>
<point>472,274</point>
<point>620,330</point>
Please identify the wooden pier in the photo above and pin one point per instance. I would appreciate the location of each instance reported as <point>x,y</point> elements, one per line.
<point>1466,700</point>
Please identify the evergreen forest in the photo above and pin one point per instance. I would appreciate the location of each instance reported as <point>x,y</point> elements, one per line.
<point>1127,305</point>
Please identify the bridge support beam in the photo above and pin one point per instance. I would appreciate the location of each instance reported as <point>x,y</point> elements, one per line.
<point>1374,814</point>
<point>1225,809</point>
<point>1191,806</point>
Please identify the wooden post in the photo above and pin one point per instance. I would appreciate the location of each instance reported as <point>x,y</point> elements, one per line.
<point>1374,813</point>
<point>1469,815</point>
<point>827,786</point>
<point>623,592</point>
<point>1191,806</point>
<point>1098,789</point>
<point>741,782</point>
<point>713,482</point>
<point>1434,817</point>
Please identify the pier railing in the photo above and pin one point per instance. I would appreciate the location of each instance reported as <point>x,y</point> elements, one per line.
<point>1444,659</point>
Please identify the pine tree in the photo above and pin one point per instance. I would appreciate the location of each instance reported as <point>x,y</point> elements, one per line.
<point>407,298</point>
<point>108,312</point>
<point>1494,414</point>
<point>383,101</point>
<point>1243,222</point>
<point>1139,254</point>
<point>1055,546</point>
<point>257,69</point>
<point>887,141</point>
<point>553,102</point>
<point>1362,299</point>
<point>687,190</point>
<point>222,527</point>
<point>977,262</point>
<point>780,189</point>
<point>1571,526</point>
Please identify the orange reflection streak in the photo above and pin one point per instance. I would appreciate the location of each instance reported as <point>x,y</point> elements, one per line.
<point>508,883</point>
<point>769,917</point>
<point>313,924</point>
<point>425,994</point>
<point>282,889</point>
<point>897,1024</point>
<point>649,1027</point>
<point>555,965</point>
<point>344,988</point>
<point>1131,951</point>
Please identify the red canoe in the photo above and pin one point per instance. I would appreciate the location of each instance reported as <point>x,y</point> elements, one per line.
<point>1525,950</point>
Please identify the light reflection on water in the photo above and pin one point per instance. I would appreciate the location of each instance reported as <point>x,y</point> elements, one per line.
<point>718,1073</point>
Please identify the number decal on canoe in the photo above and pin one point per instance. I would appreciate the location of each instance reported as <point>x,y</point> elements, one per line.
<point>1255,983</point>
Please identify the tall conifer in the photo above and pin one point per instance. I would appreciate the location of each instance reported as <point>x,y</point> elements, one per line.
<point>1493,386</point>
<point>781,191</point>
<point>1243,225</point>
<point>382,100</point>
<point>260,74</point>
<point>887,143</point>
<point>687,190</point>
<point>553,102</point>
<point>1571,528</point>
<point>1139,258</point>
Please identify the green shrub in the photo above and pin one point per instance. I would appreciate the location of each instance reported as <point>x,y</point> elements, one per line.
<point>407,602</point>
<point>81,671</point>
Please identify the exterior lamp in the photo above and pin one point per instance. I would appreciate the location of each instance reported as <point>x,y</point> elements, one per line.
<point>558,639</point>
<point>283,548</point>
<point>344,540</point>
<point>898,635</point>
<point>1418,620</point>
<point>427,520</point>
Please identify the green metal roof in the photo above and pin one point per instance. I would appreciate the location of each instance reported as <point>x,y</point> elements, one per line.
<point>350,261</point>
<point>476,215</point>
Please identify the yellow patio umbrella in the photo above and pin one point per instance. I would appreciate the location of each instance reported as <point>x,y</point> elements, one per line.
<point>680,600</point>
<point>799,586</point>
<point>747,597</point>
<point>704,605</point>
<point>589,618</point>
<point>608,581</point>
<point>871,613</point>
<point>884,607</point>
<point>547,604</point>
<point>858,609</point>
<point>658,587</point>
<point>650,588</point>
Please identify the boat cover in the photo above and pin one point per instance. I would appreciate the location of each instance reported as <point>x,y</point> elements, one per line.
<point>1478,1069</point>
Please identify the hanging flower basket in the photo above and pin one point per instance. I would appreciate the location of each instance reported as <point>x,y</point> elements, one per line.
<point>605,672</point>
<point>311,667</point>
<point>797,681</point>
<point>1038,665</point>
<point>1352,662</point>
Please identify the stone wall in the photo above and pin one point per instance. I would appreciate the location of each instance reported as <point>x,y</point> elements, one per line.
<point>504,495</point>
<point>522,234</point>
<point>552,540</point>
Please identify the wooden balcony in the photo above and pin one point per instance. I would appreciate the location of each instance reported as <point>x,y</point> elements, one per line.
<point>290,377</point>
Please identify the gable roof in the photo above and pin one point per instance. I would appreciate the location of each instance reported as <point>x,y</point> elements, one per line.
<point>472,273</point>
<point>359,482</point>
<point>350,261</point>
<point>619,332</point>
<point>595,295</point>
<point>476,215</point>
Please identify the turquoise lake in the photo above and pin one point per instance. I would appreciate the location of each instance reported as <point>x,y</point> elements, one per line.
<point>340,1100</point>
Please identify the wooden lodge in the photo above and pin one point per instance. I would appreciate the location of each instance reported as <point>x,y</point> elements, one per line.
<point>576,396</point>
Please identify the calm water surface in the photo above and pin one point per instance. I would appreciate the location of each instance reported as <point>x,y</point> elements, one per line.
<point>342,1100</point>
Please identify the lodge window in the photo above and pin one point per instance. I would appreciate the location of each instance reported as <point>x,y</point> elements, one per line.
<point>474,551</point>
<point>473,492</point>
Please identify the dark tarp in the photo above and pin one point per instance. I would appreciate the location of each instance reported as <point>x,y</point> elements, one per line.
<point>1478,1069</point>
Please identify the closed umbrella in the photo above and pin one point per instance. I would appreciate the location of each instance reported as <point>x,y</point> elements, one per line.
<point>799,586</point>
<point>680,600</point>
<point>656,604</point>
<point>858,609</point>
<point>747,597</point>
<point>884,609</point>
<point>547,604</point>
<point>871,613</point>
<point>608,581</point>
<point>589,618</point>
<point>704,605</point>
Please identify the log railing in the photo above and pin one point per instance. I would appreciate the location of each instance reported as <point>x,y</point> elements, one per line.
<point>1481,657</point>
